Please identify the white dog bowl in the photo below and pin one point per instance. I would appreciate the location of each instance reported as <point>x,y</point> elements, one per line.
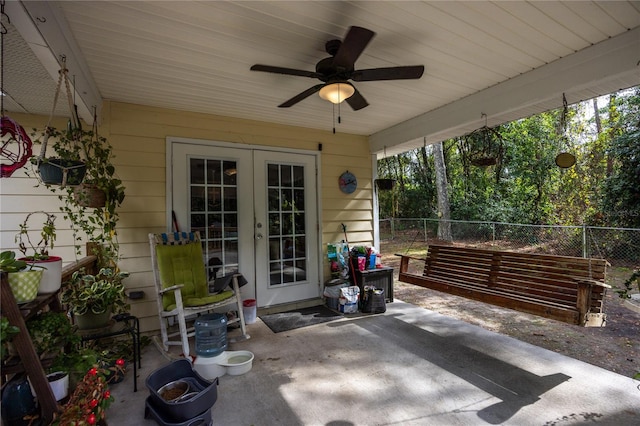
<point>238,362</point>
<point>233,363</point>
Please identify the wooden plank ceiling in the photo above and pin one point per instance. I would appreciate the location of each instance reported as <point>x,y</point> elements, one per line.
<point>505,59</point>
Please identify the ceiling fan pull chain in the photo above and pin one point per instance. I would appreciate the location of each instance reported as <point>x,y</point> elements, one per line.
<point>334,118</point>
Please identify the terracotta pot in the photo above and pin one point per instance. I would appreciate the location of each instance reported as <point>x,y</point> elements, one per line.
<point>89,195</point>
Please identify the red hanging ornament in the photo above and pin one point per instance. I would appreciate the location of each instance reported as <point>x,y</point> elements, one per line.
<point>15,150</point>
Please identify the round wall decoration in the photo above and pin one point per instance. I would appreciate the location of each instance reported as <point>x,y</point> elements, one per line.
<point>347,182</point>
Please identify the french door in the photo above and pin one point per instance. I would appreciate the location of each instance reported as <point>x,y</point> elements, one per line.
<point>256,212</point>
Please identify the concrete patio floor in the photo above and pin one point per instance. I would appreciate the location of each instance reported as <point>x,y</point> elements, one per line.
<point>408,366</point>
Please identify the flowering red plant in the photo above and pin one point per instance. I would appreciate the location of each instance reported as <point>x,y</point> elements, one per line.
<point>88,402</point>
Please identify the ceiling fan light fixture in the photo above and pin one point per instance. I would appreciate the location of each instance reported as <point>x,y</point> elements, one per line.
<point>337,92</point>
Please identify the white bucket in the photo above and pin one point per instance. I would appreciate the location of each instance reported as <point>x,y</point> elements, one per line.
<point>59,387</point>
<point>249,310</point>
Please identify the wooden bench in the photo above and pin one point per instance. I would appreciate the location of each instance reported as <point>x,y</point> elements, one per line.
<point>563,288</point>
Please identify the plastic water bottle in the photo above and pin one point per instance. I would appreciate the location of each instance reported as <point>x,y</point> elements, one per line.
<point>211,335</point>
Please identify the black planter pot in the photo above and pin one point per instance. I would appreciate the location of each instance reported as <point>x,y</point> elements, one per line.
<point>52,171</point>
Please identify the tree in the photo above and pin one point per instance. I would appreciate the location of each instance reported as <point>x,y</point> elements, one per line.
<point>527,186</point>
<point>444,225</point>
<point>620,203</point>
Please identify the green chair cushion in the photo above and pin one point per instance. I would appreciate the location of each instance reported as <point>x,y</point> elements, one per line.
<point>184,264</point>
<point>200,301</point>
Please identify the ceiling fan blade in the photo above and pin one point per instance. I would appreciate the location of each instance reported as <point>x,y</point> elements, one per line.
<point>391,73</point>
<point>352,46</point>
<point>357,101</point>
<point>300,96</point>
<point>286,71</point>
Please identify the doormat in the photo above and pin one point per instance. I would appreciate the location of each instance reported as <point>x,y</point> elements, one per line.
<point>298,318</point>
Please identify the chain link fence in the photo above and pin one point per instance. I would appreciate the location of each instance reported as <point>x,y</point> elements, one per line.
<point>619,246</point>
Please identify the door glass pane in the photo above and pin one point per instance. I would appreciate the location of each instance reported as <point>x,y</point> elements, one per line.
<point>214,172</point>
<point>288,254</point>
<point>197,170</point>
<point>213,212</point>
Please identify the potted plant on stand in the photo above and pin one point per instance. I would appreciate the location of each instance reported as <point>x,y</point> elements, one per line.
<point>38,253</point>
<point>52,335</point>
<point>92,299</point>
<point>24,278</point>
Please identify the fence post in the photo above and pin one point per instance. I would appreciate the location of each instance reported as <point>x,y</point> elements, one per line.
<point>493,232</point>
<point>584,241</point>
<point>424,226</point>
<point>393,223</point>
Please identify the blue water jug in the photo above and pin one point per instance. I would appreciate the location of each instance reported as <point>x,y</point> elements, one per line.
<point>211,335</point>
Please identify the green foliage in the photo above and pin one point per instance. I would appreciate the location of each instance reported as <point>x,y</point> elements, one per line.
<point>602,188</point>
<point>7,331</point>
<point>95,293</point>
<point>76,359</point>
<point>9,263</point>
<point>97,223</point>
<point>39,250</point>
<point>621,191</point>
<point>626,291</point>
<point>51,332</point>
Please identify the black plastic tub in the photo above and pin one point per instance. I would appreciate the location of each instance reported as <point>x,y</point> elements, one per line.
<point>151,412</point>
<point>181,411</point>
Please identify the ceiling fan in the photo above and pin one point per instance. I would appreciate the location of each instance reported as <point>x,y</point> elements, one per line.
<point>336,70</point>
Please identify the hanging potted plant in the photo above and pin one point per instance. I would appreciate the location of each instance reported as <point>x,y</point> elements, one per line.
<point>100,188</point>
<point>385,184</point>
<point>92,206</point>
<point>38,253</point>
<point>68,166</point>
<point>93,298</point>
<point>24,278</point>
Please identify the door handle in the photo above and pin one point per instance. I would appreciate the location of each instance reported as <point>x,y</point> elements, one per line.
<point>258,236</point>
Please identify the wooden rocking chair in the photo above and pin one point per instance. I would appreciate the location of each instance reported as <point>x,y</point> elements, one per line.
<point>183,288</point>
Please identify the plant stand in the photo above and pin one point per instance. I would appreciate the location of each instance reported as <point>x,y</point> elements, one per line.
<point>30,362</point>
<point>124,324</point>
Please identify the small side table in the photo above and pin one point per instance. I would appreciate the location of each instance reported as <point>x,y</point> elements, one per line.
<point>379,278</point>
<point>122,324</point>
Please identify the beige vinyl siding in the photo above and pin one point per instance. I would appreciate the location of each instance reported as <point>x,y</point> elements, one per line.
<point>138,135</point>
<point>19,195</point>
